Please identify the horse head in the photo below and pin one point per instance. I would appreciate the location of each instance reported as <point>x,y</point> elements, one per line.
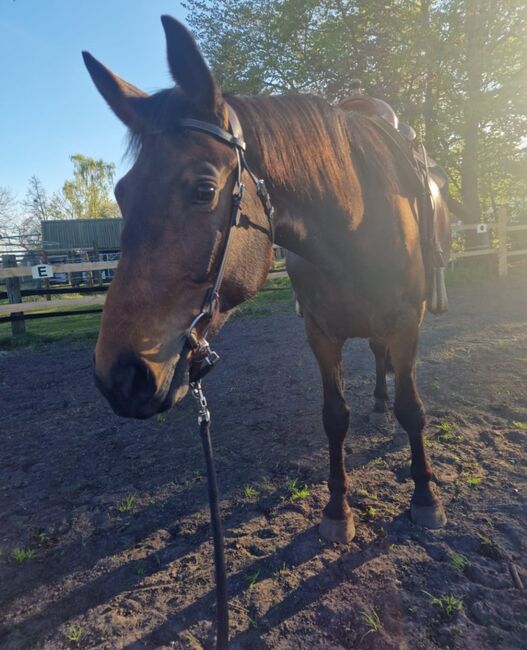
<point>176,204</point>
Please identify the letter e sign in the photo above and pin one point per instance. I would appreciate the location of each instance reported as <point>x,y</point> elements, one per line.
<point>42,271</point>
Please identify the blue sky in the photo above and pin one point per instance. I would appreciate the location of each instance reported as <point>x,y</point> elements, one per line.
<point>49,108</point>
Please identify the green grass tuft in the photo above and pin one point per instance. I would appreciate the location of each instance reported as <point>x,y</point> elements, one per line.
<point>297,491</point>
<point>249,492</point>
<point>22,555</point>
<point>127,504</point>
<point>75,634</point>
<point>459,561</point>
<point>372,620</point>
<point>448,605</point>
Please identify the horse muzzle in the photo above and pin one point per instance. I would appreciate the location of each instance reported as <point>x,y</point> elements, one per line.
<point>134,391</point>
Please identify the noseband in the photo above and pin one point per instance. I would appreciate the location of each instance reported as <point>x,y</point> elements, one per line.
<point>203,359</point>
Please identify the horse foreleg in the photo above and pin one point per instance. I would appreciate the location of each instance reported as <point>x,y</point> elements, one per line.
<point>426,508</point>
<point>337,521</point>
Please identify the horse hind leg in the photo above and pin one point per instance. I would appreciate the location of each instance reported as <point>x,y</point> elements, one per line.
<point>381,417</point>
<point>337,521</point>
<point>426,508</point>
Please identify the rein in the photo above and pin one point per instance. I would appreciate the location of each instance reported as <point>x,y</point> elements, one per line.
<point>203,358</point>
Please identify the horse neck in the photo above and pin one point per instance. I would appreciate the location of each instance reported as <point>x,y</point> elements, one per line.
<point>300,147</point>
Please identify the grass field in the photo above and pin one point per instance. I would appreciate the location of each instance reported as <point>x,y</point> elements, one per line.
<point>277,295</point>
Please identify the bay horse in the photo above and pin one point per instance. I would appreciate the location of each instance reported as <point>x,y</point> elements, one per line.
<point>343,208</point>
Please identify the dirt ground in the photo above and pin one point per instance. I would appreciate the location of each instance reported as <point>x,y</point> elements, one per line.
<point>115,511</point>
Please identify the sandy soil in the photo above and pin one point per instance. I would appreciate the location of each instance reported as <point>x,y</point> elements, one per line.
<point>116,514</point>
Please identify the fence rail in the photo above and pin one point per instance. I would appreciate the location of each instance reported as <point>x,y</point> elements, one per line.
<point>11,274</point>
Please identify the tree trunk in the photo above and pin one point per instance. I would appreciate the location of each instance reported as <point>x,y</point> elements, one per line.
<point>474,39</point>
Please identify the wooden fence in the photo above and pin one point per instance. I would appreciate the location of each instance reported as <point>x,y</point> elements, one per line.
<point>16,308</point>
<point>502,251</point>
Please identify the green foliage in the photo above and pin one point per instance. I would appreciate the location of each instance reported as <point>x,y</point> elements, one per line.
<point>459,561</point>
<point>75,634</point>
<point>22,555</point>
<point>452,69</point>
<point>252,579</point>
<point>297,491</point>
<point>372,620</point>
<point>520,425</point>
<point>88,195</point>
<point>448,605</point>
<point>127,504</point>
<point>249,492</point>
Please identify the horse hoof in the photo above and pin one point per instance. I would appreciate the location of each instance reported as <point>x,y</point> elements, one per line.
<point>428,516</point>
<point>341,531</point>
<point>383,422</point>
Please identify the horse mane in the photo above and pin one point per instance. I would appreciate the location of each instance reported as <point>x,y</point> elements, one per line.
<point>308,147</point>
<point>316,150</point>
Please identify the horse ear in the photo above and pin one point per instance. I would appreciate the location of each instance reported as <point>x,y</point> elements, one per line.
<point>188,67</point>
<point>123,98</point>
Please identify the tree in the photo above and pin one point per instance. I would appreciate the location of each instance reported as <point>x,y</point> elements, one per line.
<point>36,203</point>
<point>8,211</point>
<point>454,69</point>
<point>88,195</point>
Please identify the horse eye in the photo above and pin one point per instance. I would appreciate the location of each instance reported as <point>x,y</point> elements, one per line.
<point>204,193</point>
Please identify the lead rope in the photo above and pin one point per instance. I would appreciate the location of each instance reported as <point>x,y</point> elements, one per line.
<point>222,608</point>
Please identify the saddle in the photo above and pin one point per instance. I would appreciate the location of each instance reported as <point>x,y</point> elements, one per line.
<point>402,139</point>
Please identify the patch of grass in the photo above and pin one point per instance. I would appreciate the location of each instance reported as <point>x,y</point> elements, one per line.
<point>392,548</point>
<point>252,579</point>
<point>41,332</point>
<point>435,385</point>
<point>297,491</point>
<point>520,425</point>
<point>474,481</point>
<point>160,418</point>
<point>22,555</point>
<point>127,504</point>
<point>367,495</point>
<point>277,295</point>
<point>459,561</point>
<point>249,492</point>
<point>372,620</point>
<point>448,605</point>
<point>448,433</point>
<point>140,569</point>
<point>75,634</point>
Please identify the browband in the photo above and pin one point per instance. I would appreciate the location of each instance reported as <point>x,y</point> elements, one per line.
<point>216,131</point>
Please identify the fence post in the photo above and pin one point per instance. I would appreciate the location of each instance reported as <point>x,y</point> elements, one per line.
<point>502,237</point>
<point>46,281</point>
<point>18,325</point>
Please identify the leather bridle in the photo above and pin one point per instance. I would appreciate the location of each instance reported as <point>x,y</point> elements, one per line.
<point>202,358</point>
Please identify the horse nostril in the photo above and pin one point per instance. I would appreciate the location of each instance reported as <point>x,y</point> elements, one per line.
<point>133,379</point>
